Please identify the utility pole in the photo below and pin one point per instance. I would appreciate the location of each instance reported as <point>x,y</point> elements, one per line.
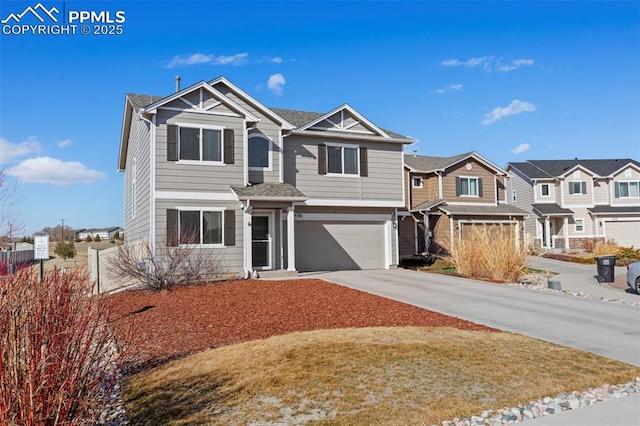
<point>62,229</point>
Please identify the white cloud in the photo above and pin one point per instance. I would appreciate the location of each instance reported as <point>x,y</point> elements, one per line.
<point>64,143</point>
<point>488,63</point>
<point>515,107</point>
<point>523,147</point>
<point>454,87</point>
<point>201,58</point>
<point>9,150</point>
<point>276,83</point>
<point>54,172</point>
<point>276,60</point>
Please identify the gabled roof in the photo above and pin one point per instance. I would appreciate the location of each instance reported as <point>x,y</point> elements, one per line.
<point>546,169</point>
<point>504,210</point>
<point>269,191</point>
<point>427,164</point>
<point>427,205</point>
<point>341,109</point>
<point>550,209</point>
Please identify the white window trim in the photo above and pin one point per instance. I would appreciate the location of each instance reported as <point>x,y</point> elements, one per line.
<point>134,189</point>
<point>269,168</point>
<point>620,197</point>
<point>413,183</point>
<point>514,196</point>
<point>201,210</point>
<point>548,185</point>
<point>344,145</point>
<point>575,225</point>
<point>202,127</point>
<point>477,187</point>
<point>572,182</point>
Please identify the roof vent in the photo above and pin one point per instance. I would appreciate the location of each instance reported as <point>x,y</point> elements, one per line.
<point>177,83</point>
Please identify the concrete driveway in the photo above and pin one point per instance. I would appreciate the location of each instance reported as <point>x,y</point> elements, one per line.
<point>605,328</point>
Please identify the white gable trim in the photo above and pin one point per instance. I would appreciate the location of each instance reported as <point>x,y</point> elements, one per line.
<point>255,103</point>
<point>628,165</point>
<point>351,111</point>
<point>203,86</point>
<point>581,167</point>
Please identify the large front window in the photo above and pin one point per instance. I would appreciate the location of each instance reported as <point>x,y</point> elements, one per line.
<point>259,149</point>
<point>627,189</point>
<point>342,159</point>
<point>200,144</point>
<point>200,227</point>
<point>469,186</point>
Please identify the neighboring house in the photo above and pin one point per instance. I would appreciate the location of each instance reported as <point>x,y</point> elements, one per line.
<point>103,233</point>
<point>265,188</point>
<point>447,196</point>
<point>576,200</point>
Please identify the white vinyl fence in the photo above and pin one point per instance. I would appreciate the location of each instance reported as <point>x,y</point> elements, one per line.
<point>99,261</point>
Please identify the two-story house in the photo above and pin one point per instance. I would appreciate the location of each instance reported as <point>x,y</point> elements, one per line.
<point>266,188</point>
<point>446,196</point>
<point>575,200</point>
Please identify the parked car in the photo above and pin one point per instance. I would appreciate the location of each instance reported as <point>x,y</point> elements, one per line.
<point>633,276</point>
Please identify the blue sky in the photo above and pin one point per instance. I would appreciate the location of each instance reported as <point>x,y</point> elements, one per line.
<point>510,80</point>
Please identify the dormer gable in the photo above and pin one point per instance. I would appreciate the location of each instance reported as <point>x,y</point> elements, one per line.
<point>345,119</point>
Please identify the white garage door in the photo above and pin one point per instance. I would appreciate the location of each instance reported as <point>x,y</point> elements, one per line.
<point>334,246</point>
<point>626,233</point>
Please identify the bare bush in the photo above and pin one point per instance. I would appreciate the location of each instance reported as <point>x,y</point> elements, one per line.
<point>490,253</point>
<point>55,351</point>
<point>165,266</point>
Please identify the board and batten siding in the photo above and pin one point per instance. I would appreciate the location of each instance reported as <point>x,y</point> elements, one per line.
<point>478,170</point>
<point>173,176</point>
<point>138,162</point>
<point>231,258</point>
<point>383,180</point>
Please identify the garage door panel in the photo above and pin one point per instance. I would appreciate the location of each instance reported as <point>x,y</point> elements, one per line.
<point>339,245</point>
<point>625,233</point>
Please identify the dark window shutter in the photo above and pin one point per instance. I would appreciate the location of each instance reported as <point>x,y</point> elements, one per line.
<point>364,162</point>
<point>570,188</point>
<point>458,185</point>
<point>617,189</point>
<point>172,142</point>
<point>584,187</point>
<point>172,228</point>
<point>480,187</point>
<point>322,159</point>
<point>229,157</point>
<point>229,228</point>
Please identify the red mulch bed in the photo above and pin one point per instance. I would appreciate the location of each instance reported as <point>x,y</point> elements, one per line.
<point>154,327</point>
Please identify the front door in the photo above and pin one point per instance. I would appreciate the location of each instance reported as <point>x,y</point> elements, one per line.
<point>261,241</point>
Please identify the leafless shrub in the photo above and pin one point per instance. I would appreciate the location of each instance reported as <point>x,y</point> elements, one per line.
<point>177,262</point>
<point>56,350</point>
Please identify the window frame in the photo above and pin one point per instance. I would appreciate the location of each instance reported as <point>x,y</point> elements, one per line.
<point>581,225</point>
<point>628,185</point>
<point>134,196</point>
<point>269,153</point>
<point>201,128</point>
<point>572,186</point>
<point>343,146</point>
<point>468,179</point>
<point>514,196</point>
<point>202,211</point>
<point>542,186</point>
<point>413,182</point>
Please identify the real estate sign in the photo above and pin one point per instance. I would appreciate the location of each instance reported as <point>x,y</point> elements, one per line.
<point>41,247</point>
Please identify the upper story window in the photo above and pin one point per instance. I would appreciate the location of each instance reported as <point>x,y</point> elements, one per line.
<point>417,182</point>
<point>200,144</point>
<point>342,159</point>
<point>545,190</point>
<point>189,142</point>
<point>514,196</point>
<point>259,152</point>
<point>627,189</point>
<point>469,187</point>
<point>134,201</point>
<point>578,187</point>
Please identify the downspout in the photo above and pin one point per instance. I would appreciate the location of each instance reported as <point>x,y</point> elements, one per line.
<point>425,233</point>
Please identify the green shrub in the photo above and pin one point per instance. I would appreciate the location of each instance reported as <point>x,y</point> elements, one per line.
<point>88,239</point>
<point>97,239</point>
<point>65,249</point>
<point>628,253</point>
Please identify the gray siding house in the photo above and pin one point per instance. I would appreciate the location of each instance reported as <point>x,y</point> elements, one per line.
<point>267,189</point>
<point>576,200</point>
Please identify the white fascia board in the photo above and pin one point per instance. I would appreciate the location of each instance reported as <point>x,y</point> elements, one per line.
<point>196,196</point>
<point>249,99</point>
<point>124,134</point>
<point>353,112</point>
<point>318,202</point>
<point>350,136</point>
<point>611,176</point>
<point>488,163</point>
<point>270,198</point>
<point>581,167</point>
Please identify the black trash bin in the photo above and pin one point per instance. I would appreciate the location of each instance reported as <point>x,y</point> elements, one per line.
<point>606,270</point>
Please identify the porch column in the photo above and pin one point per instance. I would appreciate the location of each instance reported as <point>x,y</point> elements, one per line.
<point>291,239</point>
<point>565,226</point>
<point>547,232</point>
<point>248,246</point>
